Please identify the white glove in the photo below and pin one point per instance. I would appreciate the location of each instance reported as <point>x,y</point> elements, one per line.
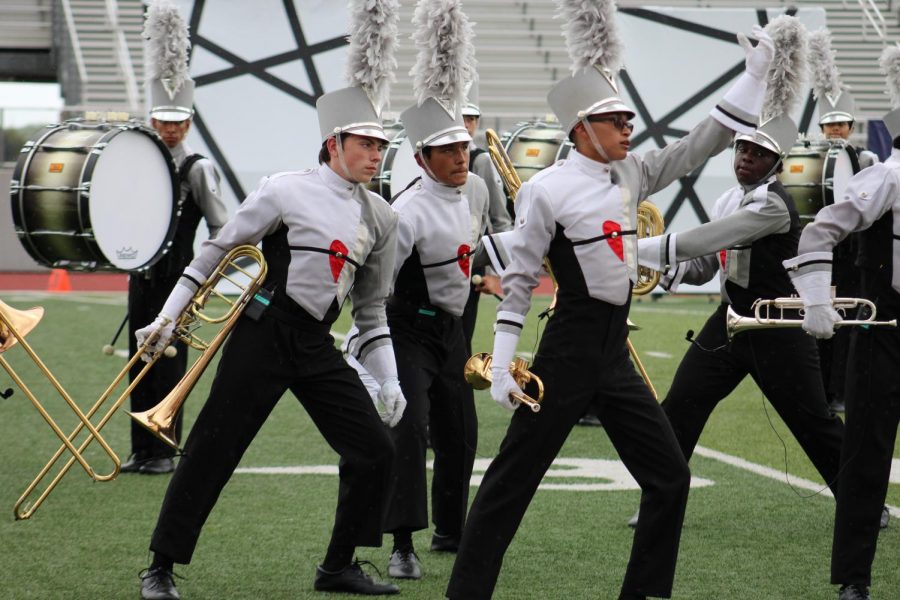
<point>502,385</point>
<point>819,320</point>
<point>757,59</point>
<point>502,382</point>
<point>159,332</point>
<point>392,402</point>
<point>177,301</point>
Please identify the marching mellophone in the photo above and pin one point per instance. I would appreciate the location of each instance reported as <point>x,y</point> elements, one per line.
<point>478,375</point>
<point>765,317</point>
<point>16,324</point>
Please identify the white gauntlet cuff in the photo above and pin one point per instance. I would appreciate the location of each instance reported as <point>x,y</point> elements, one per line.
<point>380,362</point>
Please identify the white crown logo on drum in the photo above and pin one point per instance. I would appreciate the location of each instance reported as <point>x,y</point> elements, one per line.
<point>127,253</point>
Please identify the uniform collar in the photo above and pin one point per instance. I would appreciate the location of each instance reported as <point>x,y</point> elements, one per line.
<point>334,181</point>
<point>750,188</point>
<point>447,192</point>
<point>592,167</point>
<point>179,152</point>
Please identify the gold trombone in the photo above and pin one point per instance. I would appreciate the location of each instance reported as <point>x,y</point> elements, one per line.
<point>650,222</point>
<point>160,420</point>
<point>769,314</point>
<point>478,375</point>
<point>24,509</point>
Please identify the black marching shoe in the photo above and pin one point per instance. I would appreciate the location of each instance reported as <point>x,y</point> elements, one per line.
<point>404,564</point>
<point>132,465</point>
<point>854,592</point>
<point>352,580</point>
<point>444,543</point>
<point>157,466</point>
<point>885,517</point>
<point>158,583</point>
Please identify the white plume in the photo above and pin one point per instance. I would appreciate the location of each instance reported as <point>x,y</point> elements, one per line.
<point>890,66</point>
<point>445,62</point>
<point>592,38</point>
<point>373,42</point>
<point>823,72</point>
<point>787,72</point>
<point>166,50</point>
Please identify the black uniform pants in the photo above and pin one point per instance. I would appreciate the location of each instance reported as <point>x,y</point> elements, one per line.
<point>260,361</point>
<point>873,414</point>
<point>431,353</point>
<point>145,299</point>
<point>784,363</point>
<point>577,374</point>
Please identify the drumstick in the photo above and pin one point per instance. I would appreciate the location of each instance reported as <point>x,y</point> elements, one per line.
<point>109,348</point>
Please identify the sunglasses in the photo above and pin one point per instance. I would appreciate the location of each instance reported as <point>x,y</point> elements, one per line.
<point>619,122</point>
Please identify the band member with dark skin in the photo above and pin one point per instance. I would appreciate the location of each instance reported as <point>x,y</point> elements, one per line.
<point>869,209</point>
<point>581,215</point>
<point>754,226</point>
<point>325,239</point>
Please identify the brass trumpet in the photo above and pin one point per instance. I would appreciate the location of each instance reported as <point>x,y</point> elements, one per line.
<point>769,314</point>
<point>160,420</point>
<point>478,375</point>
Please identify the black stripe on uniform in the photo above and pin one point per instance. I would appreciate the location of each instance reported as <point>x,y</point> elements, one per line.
<point>496,251</point>
<point>450,261</point>
<point>734,118</point>
<point>369,341</point>
<point>506,322</point>
<point>326,251</point>
<point>613,234</point>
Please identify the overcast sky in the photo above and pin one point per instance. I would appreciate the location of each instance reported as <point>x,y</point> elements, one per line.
<point>29,104</point>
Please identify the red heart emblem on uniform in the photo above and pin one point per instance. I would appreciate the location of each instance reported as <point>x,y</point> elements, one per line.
<point>722,255</point>
<point>337,258</point>
<point>612,229</point>
<point>462,258</point>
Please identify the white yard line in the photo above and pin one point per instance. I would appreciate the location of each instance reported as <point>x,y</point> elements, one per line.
<point>797,482</point>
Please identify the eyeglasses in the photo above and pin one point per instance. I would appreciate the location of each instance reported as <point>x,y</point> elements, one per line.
<point>619,122</point>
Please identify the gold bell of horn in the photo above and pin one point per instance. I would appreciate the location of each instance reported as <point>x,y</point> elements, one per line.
<point>478,375</point>
<point>20,321</point>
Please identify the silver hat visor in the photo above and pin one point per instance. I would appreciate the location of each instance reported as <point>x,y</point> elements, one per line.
<point>450,135</point>
<point>370,129</point>
<point>836,116</point>
<point>174,114</point>
<point>760,139</point>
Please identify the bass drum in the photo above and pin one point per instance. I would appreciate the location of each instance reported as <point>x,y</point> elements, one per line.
<point>95,196</point>
<point>398,165</point>
<point>535,146</point>
<point>816,173</point>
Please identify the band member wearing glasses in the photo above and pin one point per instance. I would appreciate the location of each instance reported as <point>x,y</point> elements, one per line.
<point>325,238</point>
<point>870,207</point>
<point>581,214</point>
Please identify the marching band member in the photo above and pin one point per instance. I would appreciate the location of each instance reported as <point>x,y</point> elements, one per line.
<point>870,207</point>
<point>325,238</point>
<point>836,119</point>
<point>172,96</point>
<point>754,227</point>
<point>480,164</point>
<point>581,214</point>
<point>442,215</point>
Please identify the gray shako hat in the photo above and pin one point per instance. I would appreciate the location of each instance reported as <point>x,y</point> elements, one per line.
<point>890,66</point>
<point>777,131</point>
<point>595,48</point>
<point>171,88</point>
<point>444,68</point>
<point>834,102</point>
<point>357,109</point>
<point>471,107</point>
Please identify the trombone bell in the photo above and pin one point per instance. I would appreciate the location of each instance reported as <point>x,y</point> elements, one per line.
<point>20,321</point>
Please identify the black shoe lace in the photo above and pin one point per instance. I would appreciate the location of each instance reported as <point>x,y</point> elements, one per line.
<point>151,571</point>
<point>357,565</point>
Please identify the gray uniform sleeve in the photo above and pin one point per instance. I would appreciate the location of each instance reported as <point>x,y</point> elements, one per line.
<point>499,217</point>
<point>869,195</point>
<point>660,167</point>
<point>374,278</point>
<point>480,190</point>
<point>695,271</point>
<point>204,182</point>
<point>744,226</point>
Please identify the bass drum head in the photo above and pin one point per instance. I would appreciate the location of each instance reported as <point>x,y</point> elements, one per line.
<point>533,147</point>
<point>403,167</point>
<point>841,163</point>
<point>802,177</point>
<point>133,201</point>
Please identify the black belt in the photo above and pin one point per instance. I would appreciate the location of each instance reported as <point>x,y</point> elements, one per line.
<point>423,309</point>
<point>308,325</point>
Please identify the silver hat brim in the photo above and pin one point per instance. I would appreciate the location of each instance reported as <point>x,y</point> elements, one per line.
<point>171,114</point>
